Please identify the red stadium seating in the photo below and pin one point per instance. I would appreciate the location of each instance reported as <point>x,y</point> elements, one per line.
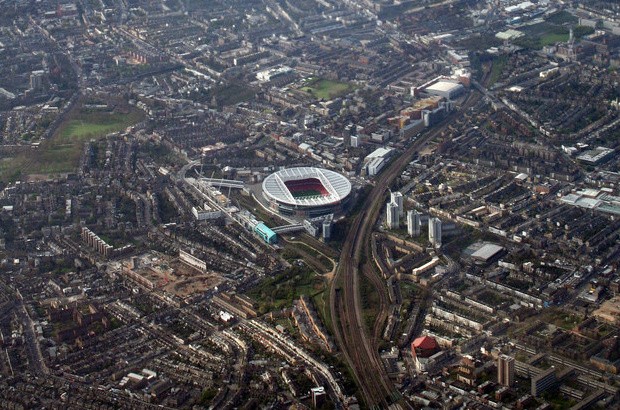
<point>305,185</point>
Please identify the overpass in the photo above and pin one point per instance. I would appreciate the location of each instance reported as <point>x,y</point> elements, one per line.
<point>288,228</point>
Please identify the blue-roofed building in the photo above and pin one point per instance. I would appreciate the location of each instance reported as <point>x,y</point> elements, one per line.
<point>264,232</point>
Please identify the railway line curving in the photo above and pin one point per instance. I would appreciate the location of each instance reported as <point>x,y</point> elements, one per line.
<point>360,348</point>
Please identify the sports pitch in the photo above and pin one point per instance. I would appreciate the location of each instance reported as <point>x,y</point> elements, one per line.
<point>307,193</point>
<point>323,89</point>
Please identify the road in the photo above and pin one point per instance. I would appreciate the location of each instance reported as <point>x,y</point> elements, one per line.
<point>359,349</point>
<point>280,343</point>
<point>37,362</point>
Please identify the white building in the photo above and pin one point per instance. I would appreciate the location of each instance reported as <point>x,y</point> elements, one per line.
<point>206,213</point>
<point>327,229</point>
<point>445,89</point>
<point>392,218</point>
<point>192,260</point>
<point>270,74</point>
<point>434,232</point>
<point>397,198</point>
<point>413,223</point>
<point>375,166</point>
<point>36,79</point>
<point>376,160</point>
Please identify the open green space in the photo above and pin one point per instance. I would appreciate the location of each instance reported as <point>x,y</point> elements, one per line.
<point>409,291</point>
<point>89,126</point>
<point>321,303</point>
<point>279,291</point>
<point>562,17</point>
<point>371,302</point>
<point>555,29</point>
<point>558,317</point>
<point>323,89</point>
<point>62,152</point>
<point>480,42</point>
<point>306,194</point>
<point>231,94</point>
<point>294,250</point>
<point>558,401</point>
<point>497,67</point>
<point>519,284</point>
<point>565,320</point>
<point>542,34</point>
<point>492,298</point>
<point>552,38</point>
<point>223,95</point>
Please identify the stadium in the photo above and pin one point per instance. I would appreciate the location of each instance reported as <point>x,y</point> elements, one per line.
<point>306,192</point>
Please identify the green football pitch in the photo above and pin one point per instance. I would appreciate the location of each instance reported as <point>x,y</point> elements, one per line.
<point>307,193</point>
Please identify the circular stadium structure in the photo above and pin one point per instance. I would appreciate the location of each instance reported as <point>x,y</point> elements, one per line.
<point>306,192</point>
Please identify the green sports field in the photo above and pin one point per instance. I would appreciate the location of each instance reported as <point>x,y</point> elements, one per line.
<point>93,126</point>
<point>308,193</point>
<point>555,29</point>
<point>323,89</point>
<point>61,153</point>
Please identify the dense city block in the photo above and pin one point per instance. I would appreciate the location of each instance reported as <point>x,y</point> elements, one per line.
<point>309,204</point>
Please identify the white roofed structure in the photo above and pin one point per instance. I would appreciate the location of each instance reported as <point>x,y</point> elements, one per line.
<point>305,188</point>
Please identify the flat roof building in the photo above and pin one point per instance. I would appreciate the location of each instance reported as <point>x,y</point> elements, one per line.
<point>483,252</point>
<point>505,370</point>
<point>270,74</point>
<point>264,232</point>
<point>392,216</point>
<point>445,89</point>
<point>596,155</point>
<point>380,152</point>
<point>487,252</point>
<point>543,382</point>
<point>413,223</point>
<point>434,232</point>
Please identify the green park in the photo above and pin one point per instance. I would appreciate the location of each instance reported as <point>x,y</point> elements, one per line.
<point>323,89</point>
<point>61,153</point>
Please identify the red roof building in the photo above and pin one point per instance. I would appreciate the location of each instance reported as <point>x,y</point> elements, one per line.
<point>424,346</point>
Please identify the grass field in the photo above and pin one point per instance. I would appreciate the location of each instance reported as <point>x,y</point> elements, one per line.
<point>306,193</point>
<point>552,38</point>
<point>62,152</point>
<point>554,29</point>
<point>323,89</point>
<point>294,250</point>
<point>542,34</point>
<point>279,291</point>
<point>371,303</point>
<point>562,17</point>
<point>497,68</point>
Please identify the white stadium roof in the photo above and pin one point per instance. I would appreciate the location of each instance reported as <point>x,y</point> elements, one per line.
<point>337,186</point>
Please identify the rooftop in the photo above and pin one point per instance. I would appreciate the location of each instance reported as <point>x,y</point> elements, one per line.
<point>483,250</point>
<point>379,153</point>
<point>444,86</point>
<point>337,187</point>
<point>425,342</point>
<point>487,251</point>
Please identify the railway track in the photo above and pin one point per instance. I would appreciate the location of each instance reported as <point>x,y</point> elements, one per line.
<point>360,348</point>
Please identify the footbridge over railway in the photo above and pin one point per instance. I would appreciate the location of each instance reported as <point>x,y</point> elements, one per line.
<point>223,183</point>
<point>288,228</point>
